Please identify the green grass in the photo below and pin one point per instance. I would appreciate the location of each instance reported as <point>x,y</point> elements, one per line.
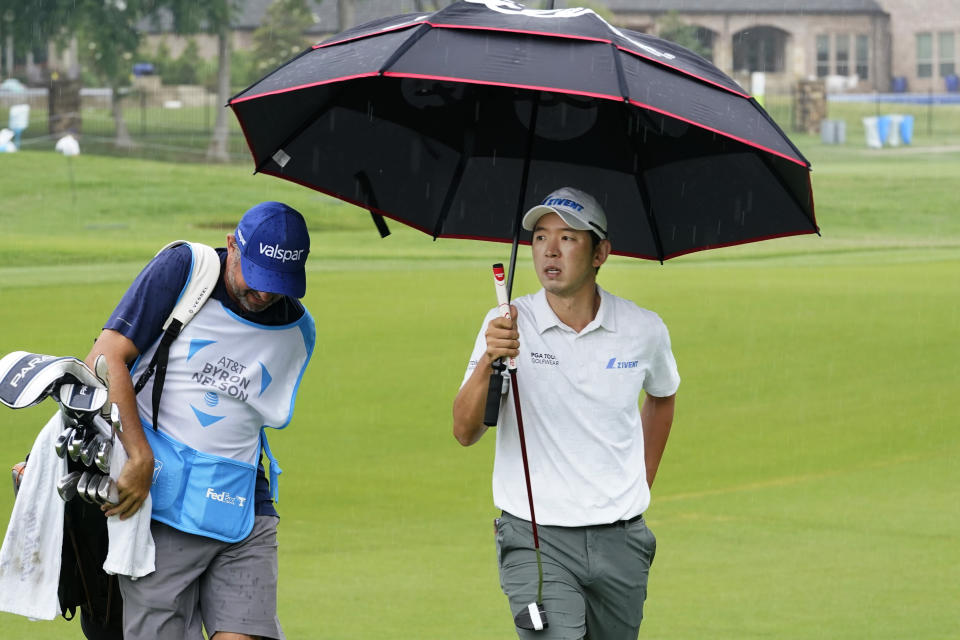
<point>809,489</point>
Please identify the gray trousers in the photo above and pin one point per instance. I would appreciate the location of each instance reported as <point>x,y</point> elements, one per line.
<point>594,578</point>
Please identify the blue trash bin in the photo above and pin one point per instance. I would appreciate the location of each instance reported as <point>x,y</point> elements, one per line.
<point>883,128</point>
<point>898,84</point>
<point>906,129</point>
<point>952,82</point>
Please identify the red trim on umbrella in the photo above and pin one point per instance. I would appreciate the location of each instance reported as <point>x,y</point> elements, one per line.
<point>604,96</point>
<point>455,236</point>
<point>786,234</point>
<point>304,86</point>
<point>398,27</point>
<point>719,132</point>
<point>397,74</point>
<point>692,75</point>
<point>246,136</point>
<point>423,76</point>
<point>357,203</point>
<point>568,36</point>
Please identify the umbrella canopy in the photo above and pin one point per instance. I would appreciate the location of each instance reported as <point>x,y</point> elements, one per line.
<point>457,121</point>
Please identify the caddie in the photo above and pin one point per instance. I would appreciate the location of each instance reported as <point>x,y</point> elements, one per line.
<point>585,358</point>
<point>233,371</point>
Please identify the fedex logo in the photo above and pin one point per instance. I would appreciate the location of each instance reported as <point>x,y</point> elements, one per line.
<point>225,497</point>
<point>277,253</point>
<point>563,202</point>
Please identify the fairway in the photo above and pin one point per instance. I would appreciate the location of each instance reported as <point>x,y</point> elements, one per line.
<point>810,487</point>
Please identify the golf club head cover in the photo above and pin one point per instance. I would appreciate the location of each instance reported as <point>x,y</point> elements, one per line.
<point>27,378</point>
<point>531,618</point>
<point>81,399</point>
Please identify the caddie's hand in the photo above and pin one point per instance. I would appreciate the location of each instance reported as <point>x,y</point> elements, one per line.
<point>133,487</point>
<point>503,339</point>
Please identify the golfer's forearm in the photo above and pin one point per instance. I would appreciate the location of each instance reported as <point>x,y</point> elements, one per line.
<point>469,405</point>
<point>657,416</point>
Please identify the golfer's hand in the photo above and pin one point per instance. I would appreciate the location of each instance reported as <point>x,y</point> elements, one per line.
<point>503,339</point>
<point>133,487</point>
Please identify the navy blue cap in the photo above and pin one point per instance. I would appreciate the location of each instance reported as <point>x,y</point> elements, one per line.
<point>274,243</point>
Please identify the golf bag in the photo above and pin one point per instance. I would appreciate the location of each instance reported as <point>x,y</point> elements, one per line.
<point>83,583</point>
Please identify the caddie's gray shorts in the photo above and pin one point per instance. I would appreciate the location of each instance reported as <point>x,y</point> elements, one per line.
<point>594,578</point>
<point>223,586</point>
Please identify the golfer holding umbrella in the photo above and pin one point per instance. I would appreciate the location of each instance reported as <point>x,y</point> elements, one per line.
<point>584,356</point>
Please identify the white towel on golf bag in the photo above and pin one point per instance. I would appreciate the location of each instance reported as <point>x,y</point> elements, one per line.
<point>30,556</point>
<point>130,551</point>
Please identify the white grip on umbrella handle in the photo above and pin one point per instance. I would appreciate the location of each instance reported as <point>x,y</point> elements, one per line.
<point>503,303</point>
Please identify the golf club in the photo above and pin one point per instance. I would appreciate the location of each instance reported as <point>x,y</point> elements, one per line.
<point>63,441</point>
<point>68,420</point>
<point>102,459</point>
<point>76,443</point>
<point>102,425</point>
<point>85,479</point>
<point>533,617</point>
<point>67,485</point>
<point>89,450</point>
<point>115,417</point>
<point>107,491</point>
<point>93,487</point>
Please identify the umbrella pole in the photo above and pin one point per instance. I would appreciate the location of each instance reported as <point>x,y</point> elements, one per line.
<point>492,408</point>
<point>535,109</point>
<point>513,373</point>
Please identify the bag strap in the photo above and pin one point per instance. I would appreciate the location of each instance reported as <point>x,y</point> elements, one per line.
<point>204,273</point>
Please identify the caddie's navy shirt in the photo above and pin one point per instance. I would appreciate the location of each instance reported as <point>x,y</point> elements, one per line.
<point>148,302</point>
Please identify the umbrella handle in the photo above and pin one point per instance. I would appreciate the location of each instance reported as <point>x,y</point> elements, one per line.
<point>495,390</point>
<point>503,303</point>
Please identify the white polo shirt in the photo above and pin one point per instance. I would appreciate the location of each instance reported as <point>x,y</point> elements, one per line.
<point>579,395</point>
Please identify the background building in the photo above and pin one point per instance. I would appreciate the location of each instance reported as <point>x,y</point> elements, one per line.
<point>882,45</point>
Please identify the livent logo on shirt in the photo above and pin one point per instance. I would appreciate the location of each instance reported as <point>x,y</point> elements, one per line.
<point>622,364</point>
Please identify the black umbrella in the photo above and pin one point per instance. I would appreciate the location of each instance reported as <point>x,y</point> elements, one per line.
<point>456,122</point>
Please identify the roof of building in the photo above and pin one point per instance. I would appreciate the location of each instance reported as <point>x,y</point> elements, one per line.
<point>327,12</point>
<point>742,6</point>
<point>327,19</point>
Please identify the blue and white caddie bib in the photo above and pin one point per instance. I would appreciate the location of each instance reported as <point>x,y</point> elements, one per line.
<point>227,380</point>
